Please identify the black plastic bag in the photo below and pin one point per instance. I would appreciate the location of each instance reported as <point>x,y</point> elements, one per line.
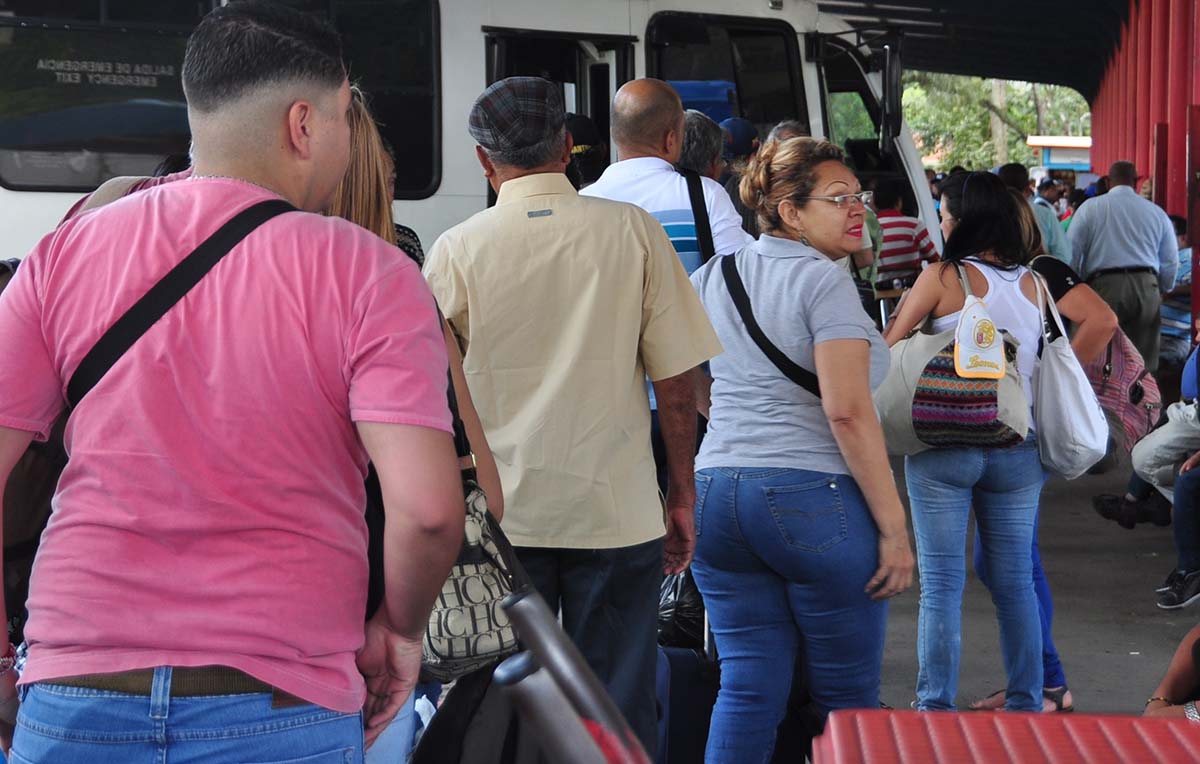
<point>680,612</point>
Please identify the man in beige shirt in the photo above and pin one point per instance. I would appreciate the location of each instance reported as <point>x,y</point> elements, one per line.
<point>564,305</point>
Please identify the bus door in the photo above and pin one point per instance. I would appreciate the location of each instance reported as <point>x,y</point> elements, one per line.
<point>590,68</point>
<point>730,66</point>
<point>854,120</point>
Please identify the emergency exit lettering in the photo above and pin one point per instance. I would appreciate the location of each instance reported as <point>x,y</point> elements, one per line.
<point>114,73</point>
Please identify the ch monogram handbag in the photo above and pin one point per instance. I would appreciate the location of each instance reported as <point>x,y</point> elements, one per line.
<point>468,629</point>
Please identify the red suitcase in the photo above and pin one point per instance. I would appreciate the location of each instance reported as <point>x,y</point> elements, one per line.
<point>910,737</point>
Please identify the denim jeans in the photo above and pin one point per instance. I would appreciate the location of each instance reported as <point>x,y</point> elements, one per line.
<point>1004,486</point>
<point>782,560</point>
<point>1185,523</point>
<point>608,602</point>
<point>395,743</point>
<point>1052,670</point>
<point>74,725</point>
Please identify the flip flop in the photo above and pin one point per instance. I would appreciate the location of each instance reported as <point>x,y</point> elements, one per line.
<point>978,705</point>
<point>1057,697</point>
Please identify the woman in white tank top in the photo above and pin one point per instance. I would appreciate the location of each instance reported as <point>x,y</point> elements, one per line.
<point>982,226</point>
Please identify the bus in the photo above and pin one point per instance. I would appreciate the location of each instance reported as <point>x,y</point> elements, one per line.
<point>90,89</point>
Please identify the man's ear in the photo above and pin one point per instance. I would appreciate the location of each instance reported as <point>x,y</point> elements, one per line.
<point>300,118</point>
<point>489,169</point>
<point>672,142</point>
<point>568,147</point>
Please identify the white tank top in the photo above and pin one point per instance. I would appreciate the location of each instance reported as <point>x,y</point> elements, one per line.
<point>1011,311</point>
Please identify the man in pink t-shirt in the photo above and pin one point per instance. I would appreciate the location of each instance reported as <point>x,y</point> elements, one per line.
<point>200,589</point>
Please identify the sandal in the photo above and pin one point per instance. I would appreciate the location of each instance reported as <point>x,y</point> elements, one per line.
<point>989,703</point>
<point>1057,696</point>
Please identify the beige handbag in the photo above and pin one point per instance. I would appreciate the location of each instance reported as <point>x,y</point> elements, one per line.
<point>925,403</point>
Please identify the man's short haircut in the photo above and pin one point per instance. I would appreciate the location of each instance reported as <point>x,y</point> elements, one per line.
<point>245,45</point>
<point>539,154</point>
<point>703,142</point>
<point>642,121</point>
<point>1015,175</point>
<point>1122,173</point>
<point>1047,184</point>
<point>789,128</point>
<point>888,193</point>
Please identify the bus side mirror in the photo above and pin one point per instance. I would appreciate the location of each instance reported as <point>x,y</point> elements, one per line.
<point>891,114</point>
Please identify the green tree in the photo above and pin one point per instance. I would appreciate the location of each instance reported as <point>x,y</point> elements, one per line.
<point>950,116</point>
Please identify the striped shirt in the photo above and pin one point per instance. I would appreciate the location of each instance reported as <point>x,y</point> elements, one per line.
<point>1177,310</point>
<point>906,242</point>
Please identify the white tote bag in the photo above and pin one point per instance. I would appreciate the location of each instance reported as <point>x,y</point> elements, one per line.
<point>1072,431</point>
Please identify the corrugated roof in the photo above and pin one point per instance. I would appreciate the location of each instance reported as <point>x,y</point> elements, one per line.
<point>1066,42</point>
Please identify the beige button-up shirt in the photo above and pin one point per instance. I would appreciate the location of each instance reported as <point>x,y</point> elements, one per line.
<point>565,304</point>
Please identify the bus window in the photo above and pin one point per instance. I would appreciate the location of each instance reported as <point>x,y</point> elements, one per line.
<point>849,119</point>
<point>729,67</point>
<point>391,47</point>
<point>92,89</point>
<point>81,100</point>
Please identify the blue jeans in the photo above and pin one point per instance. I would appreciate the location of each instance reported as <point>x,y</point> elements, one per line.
<point>1052,670</point>
<point>608,602</point>
<point>1004,486</point>
<point>74,725</point>
<point>782,560</point>
<point>1185,523</point>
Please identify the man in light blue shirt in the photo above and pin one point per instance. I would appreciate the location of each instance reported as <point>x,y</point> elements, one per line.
<point>1124,247</point>
<point>1047,216</point>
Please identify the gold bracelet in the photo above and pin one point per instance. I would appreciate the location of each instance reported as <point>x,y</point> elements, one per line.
<point>1162,700</point>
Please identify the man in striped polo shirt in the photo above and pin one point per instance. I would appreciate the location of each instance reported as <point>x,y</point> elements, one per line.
<point>906,241</point>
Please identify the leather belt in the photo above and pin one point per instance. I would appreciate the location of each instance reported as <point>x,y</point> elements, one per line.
<point>186,682</point>
<point>1111,271</point>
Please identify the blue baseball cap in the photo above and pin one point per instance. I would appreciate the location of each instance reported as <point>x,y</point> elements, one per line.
<point>740,135</point>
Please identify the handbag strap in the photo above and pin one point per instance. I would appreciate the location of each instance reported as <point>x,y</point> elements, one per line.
<point>169,290</point>
<point>790,369</point>
<point>1046,303</point>
<point>704,237</point>
<point>462,444</point>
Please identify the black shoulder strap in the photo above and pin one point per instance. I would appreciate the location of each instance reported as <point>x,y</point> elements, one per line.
<point>704,237</point>
<point>737,290</point>
<point>462,443</point>
<point>165,294</point>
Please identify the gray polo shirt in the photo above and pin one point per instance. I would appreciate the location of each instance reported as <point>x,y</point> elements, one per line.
<point>800,298</point>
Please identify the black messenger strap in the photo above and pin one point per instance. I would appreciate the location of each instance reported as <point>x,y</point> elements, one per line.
<point>704,237</point>
<point>790,369</point>
<point>165,294</point>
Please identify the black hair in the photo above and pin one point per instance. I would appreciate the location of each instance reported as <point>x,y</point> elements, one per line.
<point>244,45</point>
<point>1015,175</point>
<point>988,219</point>
<point>957,168</point>
<point>1180,224</point>
<point>1077,197</point>
<point>888,193</point>
<point>173,163</point>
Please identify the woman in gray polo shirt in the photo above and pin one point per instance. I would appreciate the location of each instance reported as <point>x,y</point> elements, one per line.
<point>801,535</point>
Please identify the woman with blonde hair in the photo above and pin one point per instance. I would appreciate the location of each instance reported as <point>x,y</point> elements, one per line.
<point>800,533</point>
<point>364,197</point>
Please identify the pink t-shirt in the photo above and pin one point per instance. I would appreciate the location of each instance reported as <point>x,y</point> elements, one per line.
<point>212,510</point>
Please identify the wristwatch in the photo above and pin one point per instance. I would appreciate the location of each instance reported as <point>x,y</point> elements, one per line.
<point>1189,710</point>
<point>9,660</point>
